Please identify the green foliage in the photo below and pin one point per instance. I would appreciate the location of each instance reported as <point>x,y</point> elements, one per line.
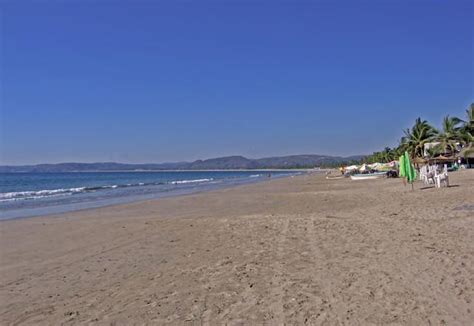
<point>434,151</point>
<point>467,130</point>
<point>454,131</point>
<point>416,137</point>
<point>450,135</point>
<point>385,156</point>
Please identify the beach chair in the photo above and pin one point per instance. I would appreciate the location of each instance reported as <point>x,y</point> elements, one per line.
<point>422,173</point>
<point>432,173</point>
<point>427,173</point>
<point>442,177</point>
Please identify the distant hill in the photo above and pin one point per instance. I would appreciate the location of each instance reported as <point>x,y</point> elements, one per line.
<point>220,163</point>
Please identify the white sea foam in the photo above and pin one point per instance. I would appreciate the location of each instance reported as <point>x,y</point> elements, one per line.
<point>38,193</point>
<point>31,195</point>
<point>34,197</point>
<point>22,195</point>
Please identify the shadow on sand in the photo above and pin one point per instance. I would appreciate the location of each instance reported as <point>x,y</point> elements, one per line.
<point>433,187</point>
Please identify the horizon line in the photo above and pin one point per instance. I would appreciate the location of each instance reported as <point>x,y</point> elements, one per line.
<point>175,162</point>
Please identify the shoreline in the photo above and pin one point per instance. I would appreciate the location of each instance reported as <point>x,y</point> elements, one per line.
<point>290,250</point>
<point>22,213</point>
<point>125,205</point>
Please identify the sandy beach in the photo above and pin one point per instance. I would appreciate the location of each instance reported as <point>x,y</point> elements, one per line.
<point>301,250</point>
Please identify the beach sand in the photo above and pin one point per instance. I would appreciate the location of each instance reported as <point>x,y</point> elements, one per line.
<point>295,250</point>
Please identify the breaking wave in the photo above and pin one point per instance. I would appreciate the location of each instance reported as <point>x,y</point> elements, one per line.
<point>31,195</point>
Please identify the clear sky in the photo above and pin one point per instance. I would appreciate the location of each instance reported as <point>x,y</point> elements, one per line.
<point>180,80</point>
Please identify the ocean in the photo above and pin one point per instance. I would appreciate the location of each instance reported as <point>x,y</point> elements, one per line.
<point>33,194</point>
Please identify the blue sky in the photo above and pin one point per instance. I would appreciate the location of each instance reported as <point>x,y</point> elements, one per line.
<point>171,81</point>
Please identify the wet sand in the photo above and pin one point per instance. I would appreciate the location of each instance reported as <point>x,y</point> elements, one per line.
<point>289,251</point>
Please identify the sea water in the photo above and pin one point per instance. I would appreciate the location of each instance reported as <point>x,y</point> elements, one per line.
<point>33,194</point>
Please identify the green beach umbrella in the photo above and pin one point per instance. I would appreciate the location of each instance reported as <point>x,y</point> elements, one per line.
<point>409,169</point>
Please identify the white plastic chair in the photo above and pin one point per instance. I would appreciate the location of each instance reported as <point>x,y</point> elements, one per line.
<point>423,173</point>
<point>442,177</point>
<point>427,173</point>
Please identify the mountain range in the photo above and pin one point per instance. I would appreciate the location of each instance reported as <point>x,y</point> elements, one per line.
<point>220,163</point>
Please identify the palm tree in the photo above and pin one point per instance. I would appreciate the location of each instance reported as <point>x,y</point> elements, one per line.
<point>434,151</point>
<point>416,137</point>
<point>467,130</point>
<point>389,155</point>
<point>454,131</point>
<point>470,118</point>
<point>385,156</point>
<point>467,133</point>
<point>450,136</point>
<point>398,151</point>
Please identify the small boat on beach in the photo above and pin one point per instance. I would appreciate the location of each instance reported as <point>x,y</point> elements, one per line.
<point>368,176</point>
